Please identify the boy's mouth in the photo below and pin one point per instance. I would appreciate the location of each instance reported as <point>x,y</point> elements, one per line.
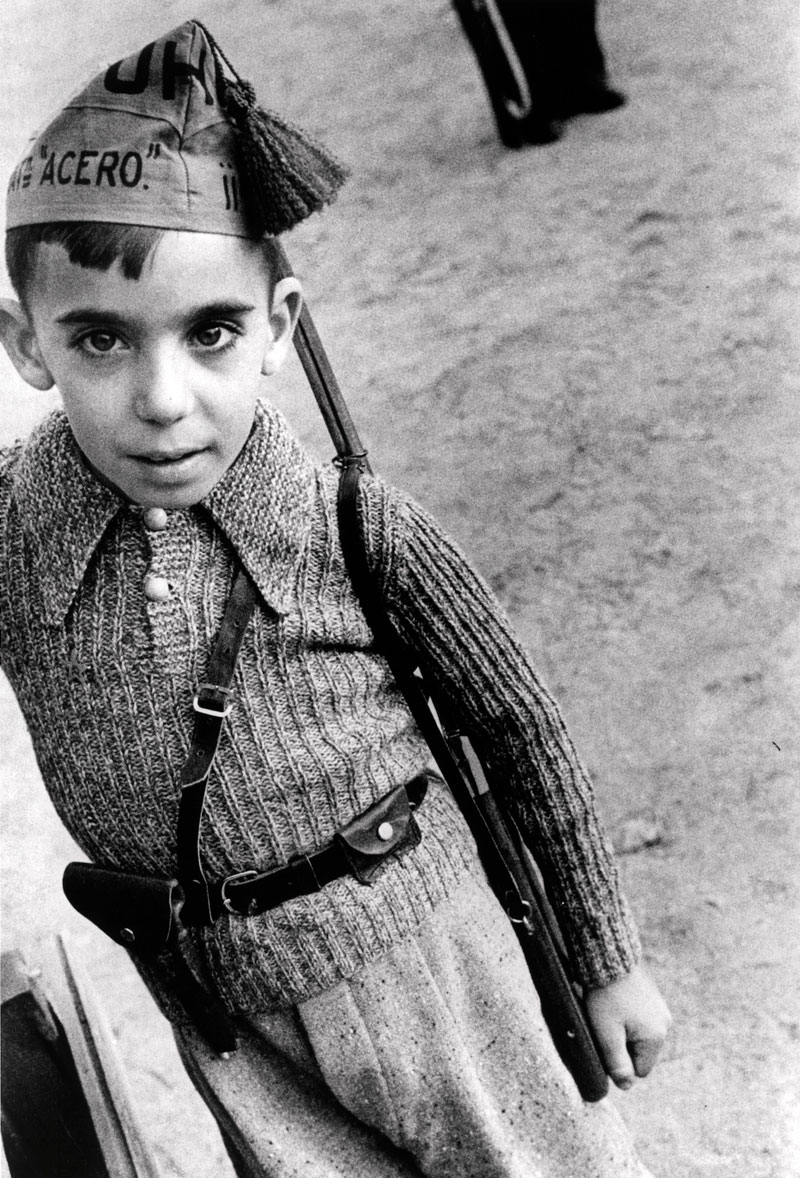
<point>169,465</point>
<point>166,458</point>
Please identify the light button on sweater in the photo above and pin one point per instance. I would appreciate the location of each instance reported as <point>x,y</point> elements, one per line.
<point>156,588</point>
<point>155,519</point>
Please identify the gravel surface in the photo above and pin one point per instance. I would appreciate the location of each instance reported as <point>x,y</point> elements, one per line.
<point>583,359</point>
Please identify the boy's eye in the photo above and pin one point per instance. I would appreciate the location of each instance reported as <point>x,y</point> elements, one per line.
<point>215,336</point>
<point>99,341</point>
<point>208,337</point>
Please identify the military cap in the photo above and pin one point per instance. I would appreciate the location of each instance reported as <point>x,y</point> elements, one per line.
<point>172,137</point>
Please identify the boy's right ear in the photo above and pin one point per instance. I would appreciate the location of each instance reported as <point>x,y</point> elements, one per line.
<point>19,340</point>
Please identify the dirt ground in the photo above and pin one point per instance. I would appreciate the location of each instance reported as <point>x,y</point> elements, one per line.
<point>583,359</point>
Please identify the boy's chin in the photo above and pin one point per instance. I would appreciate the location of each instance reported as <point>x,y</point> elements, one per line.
<point>170,502</point>
<point>171,498</point>
<point>155,482</point>
<point>173,490</point>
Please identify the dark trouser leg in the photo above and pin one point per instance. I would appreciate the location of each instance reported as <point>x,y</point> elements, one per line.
<point>507,81</point>
<point>558,45</point>
<point>581,87</point>
<point>568,29</point>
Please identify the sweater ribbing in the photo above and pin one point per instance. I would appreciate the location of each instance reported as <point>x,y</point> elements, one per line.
<point>319,731</point>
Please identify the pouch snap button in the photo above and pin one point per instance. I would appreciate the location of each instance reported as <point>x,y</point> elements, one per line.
<point>385,831</point>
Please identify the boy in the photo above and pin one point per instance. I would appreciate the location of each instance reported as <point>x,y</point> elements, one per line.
<point>383,1029</point>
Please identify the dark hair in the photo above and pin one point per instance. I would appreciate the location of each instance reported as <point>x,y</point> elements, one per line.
<point>93,245</point>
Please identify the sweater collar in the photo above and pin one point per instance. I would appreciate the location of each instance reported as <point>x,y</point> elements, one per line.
<point>262,505</point>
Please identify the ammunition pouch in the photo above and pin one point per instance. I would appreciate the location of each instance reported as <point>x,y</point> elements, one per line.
<point>388,828</point>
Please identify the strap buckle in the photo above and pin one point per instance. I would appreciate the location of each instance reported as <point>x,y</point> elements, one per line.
<point>239,877</point>
<point>352,458</point>
<point>519,910</point>
<point>210,693</point>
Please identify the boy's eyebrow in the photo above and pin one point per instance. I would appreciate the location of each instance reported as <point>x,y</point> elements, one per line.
<point>90,315</point>
<point>215,310</point>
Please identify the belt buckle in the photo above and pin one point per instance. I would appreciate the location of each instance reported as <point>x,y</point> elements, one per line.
<point>226,692</point>
<point>237,878</point>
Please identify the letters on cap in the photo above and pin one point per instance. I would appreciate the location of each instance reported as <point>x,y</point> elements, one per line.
<point>166,138</point>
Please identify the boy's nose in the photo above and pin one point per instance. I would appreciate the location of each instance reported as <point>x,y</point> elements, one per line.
<point>162,394</point>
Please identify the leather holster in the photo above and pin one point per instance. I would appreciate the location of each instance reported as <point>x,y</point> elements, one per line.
<point>137,911</point>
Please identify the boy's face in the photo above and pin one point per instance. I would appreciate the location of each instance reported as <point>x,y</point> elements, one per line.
<point>160,375</point>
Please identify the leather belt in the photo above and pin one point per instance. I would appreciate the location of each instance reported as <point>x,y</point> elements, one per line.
<point>388,828</point>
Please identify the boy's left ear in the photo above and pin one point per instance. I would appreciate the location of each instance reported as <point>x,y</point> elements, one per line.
<point>287,300</point>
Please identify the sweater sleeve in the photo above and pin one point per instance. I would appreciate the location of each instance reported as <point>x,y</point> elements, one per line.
<point>447,613</point>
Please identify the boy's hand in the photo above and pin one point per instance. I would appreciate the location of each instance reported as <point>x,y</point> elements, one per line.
<point>630,1021</point>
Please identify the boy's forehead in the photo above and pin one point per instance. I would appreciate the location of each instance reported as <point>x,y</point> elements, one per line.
<point>165,138</point>
<point>182,270</point>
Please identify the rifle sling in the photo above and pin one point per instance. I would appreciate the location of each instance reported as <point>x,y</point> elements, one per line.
<point>403,663</point>
<point>500,857</point>
<point>212,703</point>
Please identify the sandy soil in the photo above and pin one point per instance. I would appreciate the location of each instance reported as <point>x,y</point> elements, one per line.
<point>583,358</point>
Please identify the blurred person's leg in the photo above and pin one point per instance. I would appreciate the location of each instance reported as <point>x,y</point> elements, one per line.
<point>570,57</point>
<point>556,46</point>
<point>502,60</point>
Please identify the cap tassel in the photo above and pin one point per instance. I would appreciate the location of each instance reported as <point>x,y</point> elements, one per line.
<point>285,174</point>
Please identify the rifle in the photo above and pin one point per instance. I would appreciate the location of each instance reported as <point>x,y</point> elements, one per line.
<point>509,863</point>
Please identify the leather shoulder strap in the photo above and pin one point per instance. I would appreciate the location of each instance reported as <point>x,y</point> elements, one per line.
<point>212,703</point>
<point>402,659</point>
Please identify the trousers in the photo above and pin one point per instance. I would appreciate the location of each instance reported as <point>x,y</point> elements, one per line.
<point>557,40</point>
<point>434,1062</point>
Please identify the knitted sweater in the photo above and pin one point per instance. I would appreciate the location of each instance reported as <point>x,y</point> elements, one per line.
<point>104,676</point>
